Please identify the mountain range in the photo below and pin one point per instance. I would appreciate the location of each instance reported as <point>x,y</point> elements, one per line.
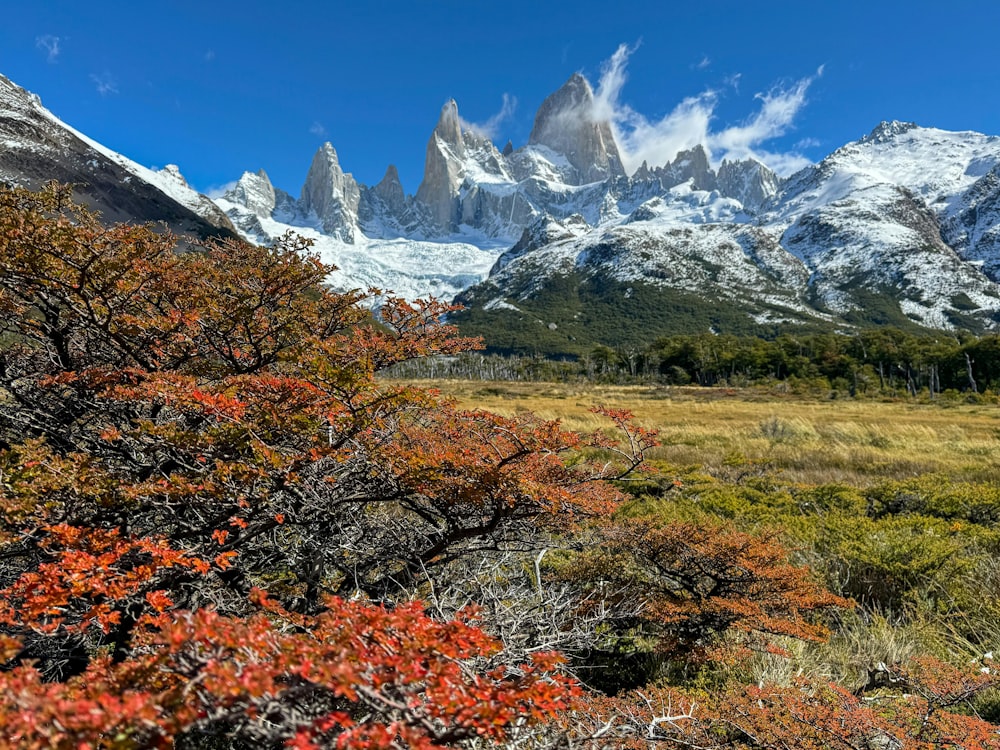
<point>554,246</point>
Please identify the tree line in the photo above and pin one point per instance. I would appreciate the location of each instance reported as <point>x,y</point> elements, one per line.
<point>866,362</point>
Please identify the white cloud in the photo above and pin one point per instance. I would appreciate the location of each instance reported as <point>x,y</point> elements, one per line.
<point>656,143</point>
<point>49,44</point>
<point>691,122</point>
<point>209,55</point>
<point>318,130</point>
<point>105,83</point>
<point>703,63</point>
<point>777,112</point>
<point>491,127</point>
<point>609,88</point>
<point>217,191</point>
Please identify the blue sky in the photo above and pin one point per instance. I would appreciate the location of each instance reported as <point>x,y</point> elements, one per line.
<point>220,87</point>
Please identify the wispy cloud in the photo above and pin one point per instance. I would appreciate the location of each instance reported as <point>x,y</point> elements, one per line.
<point>491,127</point>
<point>703,63</point>
<point>49,44</point>
<point>691,122</point>
<point>209,55</point>
<point>778,109</point>
<point>318,130</point>
<point>217,191</point>
<point>607,104</point>
<point>105,83</point>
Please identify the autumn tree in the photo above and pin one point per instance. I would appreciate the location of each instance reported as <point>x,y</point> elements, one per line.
<point>678,595</point>
<point>185,435</point>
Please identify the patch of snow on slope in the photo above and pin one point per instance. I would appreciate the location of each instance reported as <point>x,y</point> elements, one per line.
<point>168,180</point>
<point>685,205</point>
<point>407,268</point>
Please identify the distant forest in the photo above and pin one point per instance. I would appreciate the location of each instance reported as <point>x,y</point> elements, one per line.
<point>869,362</point>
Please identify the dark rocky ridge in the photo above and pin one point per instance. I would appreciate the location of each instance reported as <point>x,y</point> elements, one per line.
<point>35,149</point>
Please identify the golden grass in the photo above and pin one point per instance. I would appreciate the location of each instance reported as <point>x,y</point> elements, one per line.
<point>810,441</point>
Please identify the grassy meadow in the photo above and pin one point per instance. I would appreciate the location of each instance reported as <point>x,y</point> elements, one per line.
<point>857,442</point>
<point>893,504</point>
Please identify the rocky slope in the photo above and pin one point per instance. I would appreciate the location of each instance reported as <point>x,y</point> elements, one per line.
<point>35,147</point>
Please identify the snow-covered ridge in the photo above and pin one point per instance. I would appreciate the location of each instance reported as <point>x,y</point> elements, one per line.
<point>906,213</point>
<point>937,165</point>
<point>42,133</point>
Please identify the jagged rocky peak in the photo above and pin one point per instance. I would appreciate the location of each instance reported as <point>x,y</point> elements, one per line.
<point>390,190</point>
<point>443,168</point>
<point>690,165</point>
<point>255,192</point>
<point>174,173</point>
<point>748,181</point>
<point>887,130</point>
<point>331,195</point>
<point>449,127</point>
<point>566,123</point>
<point>508,148</point>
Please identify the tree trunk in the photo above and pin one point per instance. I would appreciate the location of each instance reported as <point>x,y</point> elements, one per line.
<point>968,368</point>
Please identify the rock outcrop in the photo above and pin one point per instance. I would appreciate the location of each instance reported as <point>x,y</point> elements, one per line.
<point>567,124</point>
<point>390,191</point>
<point>255,192</point>
<point>692,166</point>
<point>748,181</point>
<point>443,172</point>
<point>331,195</point>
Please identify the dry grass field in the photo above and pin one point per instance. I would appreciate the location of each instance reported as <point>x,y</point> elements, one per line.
<point>924,584</point>
<point>810,441</point>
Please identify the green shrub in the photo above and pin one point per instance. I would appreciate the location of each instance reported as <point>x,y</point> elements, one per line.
<point>891,563</point>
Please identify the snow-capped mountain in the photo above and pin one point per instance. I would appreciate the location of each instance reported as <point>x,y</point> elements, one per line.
<point>908,210</point>
<point>901,226</point>
<point>35,147</point>
<point>474,200</point>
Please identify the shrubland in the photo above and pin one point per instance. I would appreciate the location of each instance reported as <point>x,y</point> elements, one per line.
<point>221,526</point>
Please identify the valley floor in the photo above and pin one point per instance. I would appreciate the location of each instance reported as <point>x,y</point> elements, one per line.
<point>809,440</point>
<point>893,504</point>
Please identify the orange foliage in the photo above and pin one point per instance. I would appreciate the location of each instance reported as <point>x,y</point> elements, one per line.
<point>177,429</point>
<point>804,716</point>
<point>703,590</point>
<point>354,675</point>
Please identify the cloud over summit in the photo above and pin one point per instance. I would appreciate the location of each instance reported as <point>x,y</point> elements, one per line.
<point>693,121</point>
<point>491,127</point>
